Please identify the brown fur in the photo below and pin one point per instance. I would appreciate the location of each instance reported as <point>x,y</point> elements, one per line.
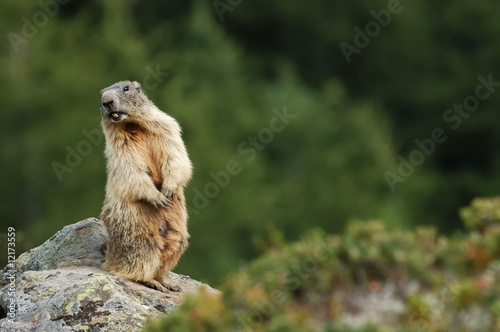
<point>144,210</point>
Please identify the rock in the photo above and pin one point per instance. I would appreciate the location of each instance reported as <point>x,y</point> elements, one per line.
<point>60,286</point>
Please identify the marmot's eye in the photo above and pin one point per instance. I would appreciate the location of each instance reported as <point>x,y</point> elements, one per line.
<point>125,88</point>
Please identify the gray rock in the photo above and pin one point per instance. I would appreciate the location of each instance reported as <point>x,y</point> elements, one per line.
<point>60,286</point>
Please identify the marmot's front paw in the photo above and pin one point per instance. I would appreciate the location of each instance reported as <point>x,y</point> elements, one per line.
<point>161,201</point>
<point>169,189</point>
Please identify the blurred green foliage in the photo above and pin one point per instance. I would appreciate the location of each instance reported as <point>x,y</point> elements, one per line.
<point>225,81</point>
<point>481,213</point>
<point>370,278</point>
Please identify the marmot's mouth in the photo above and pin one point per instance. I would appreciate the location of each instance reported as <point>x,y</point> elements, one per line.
<point>116,116</point>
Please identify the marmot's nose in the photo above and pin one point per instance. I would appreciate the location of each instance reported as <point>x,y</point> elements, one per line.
<point>107,103</point>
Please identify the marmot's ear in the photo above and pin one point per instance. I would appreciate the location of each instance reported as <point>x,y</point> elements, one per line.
<point>138,88</point>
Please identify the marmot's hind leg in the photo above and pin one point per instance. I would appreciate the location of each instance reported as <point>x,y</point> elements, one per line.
<point>170,257</point>
<point>167,285</point>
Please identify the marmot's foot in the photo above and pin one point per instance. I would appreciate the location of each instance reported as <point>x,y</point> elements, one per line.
<point>174,288</point>
<point>169,286</point>
<point>155,285</point>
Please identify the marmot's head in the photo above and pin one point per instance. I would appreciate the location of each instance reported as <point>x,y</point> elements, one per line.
<point>123,101</point>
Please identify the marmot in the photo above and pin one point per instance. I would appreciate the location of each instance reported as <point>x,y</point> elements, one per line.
<point>147,168</point>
